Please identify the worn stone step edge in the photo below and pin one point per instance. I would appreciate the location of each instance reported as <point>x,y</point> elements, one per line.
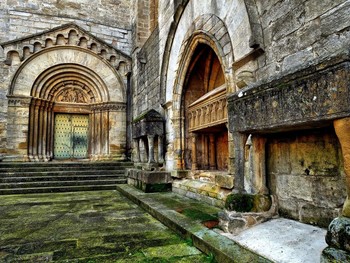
<point>208,241</point>
<point>58,169</point>
<point>15,179</point>
<point>61,173</point>
<point>199,197</point>
<point>58,183</point>
<point>63,164</point>
<point>56,189</point>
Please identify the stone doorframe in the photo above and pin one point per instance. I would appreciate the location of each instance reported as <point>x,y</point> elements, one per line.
<point>218,39</point>
<point>67,79</point>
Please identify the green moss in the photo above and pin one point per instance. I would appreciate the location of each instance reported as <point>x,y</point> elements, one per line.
<point>240,202</point>
<point>198,215</point>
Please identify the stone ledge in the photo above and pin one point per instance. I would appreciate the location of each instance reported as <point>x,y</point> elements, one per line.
<point>297,100</point>
<point>208,241</point>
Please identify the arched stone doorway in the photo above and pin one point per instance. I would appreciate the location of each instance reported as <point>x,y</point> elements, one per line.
<point>199,109</point>
<point>69,116</point>
<point>205,113</point>
<point>68,102</point>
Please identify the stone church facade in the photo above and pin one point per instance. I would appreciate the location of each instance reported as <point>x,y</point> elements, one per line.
<point>219,97</point>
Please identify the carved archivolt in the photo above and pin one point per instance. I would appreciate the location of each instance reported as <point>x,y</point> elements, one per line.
<point>67,35</point>
<point>73,95</point>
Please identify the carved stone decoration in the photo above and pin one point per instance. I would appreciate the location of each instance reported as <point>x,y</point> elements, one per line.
<point>316,94</point>
<point>73,95</point>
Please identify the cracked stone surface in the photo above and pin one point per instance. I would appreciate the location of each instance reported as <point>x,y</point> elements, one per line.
<point>99,226</point>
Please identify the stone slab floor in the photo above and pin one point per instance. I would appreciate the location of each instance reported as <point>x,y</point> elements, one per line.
<point>99,226</point>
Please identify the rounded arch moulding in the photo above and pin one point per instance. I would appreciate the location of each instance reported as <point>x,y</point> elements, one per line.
<point>47,70</point>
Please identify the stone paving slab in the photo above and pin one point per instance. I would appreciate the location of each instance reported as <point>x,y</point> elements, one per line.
<point>285,241</point>
<point>98,226</point>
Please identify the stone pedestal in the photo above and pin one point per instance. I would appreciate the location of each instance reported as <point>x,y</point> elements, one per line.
<point>150,181</point>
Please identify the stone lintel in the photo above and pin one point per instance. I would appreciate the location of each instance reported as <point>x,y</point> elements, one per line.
<point>313,96</point>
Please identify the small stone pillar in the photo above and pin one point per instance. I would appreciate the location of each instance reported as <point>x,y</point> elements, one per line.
<point>194,151</point>
<point>137,150</point>
<point>150,139</point>
<point>259,165</point>
<point>239,144</point>
<point>160,149</point>
<point>212,161</point>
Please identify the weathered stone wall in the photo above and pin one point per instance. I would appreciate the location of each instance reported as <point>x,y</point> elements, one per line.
<point>305,173</point>
<point>146,91</point>
<point>107,19</point>
<point>296,33</point>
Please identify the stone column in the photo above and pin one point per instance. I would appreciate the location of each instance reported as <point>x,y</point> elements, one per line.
<point>342,129</point>
<point>160,149</point>
<point>212,159</point>
<point>92,133</point>
<point>338,234</point>
<point>50,129</point>
<point>259,165</point>
<point>137,150</point>
<point>194,151</point>
<point>45,131</point>
<point>36,130</point>
<point>150,148</point>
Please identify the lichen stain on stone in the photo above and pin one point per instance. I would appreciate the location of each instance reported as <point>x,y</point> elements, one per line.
<point>22,145</point>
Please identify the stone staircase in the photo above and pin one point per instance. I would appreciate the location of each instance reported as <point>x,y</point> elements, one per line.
<point>23,178</point>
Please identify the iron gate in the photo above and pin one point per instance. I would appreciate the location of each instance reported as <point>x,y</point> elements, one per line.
<point>71,136</point>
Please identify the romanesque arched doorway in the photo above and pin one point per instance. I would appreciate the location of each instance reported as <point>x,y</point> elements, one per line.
<point>69,116</point>
<point>67,98</point>
<point>205,113</point>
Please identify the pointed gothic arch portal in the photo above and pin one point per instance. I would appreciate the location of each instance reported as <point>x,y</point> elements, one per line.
<point>203,106</point>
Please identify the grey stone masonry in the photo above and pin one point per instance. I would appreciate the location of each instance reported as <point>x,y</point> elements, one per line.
<point>316,94</point>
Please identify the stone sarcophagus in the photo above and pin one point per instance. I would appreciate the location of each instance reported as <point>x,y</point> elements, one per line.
<point>307,98</point>
<point>148,135</point>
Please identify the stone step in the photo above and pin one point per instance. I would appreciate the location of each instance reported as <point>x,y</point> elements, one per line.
<point>204,191</point>
<point>61,172</point>
<point>20,178</point>
<point>63,164</point>
<point>61,168</point>
<point>57,189</point>
<point>60,183</point>
<point>14,179</point>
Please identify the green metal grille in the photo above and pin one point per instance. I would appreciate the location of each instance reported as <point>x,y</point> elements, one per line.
<point>71,136</point>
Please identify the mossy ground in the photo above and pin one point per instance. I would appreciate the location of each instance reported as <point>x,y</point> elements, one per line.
<point>100,226</point>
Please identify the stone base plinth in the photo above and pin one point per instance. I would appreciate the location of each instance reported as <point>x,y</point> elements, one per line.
<point>150,181</point>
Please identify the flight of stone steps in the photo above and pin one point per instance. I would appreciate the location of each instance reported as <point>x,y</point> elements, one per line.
<point>21,178</point>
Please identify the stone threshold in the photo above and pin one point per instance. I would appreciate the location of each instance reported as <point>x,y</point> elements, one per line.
<point>209,241</point>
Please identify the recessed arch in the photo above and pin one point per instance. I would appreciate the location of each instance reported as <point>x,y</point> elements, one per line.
<point>77,59</point>
<point>197,36</point>
<point>80,84</point>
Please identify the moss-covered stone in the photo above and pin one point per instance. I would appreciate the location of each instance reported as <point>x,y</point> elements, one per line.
<point>248,203</point>
<point>239,202</point>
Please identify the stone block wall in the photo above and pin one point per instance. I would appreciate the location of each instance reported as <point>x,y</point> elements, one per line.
<point>106,19</point>
<point>304,171</point>
<point>296,33</point>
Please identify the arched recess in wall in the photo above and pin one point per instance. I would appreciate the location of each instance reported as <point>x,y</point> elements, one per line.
<point>76,104</point>
<point>198,114</point>
<point>254,29</point>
